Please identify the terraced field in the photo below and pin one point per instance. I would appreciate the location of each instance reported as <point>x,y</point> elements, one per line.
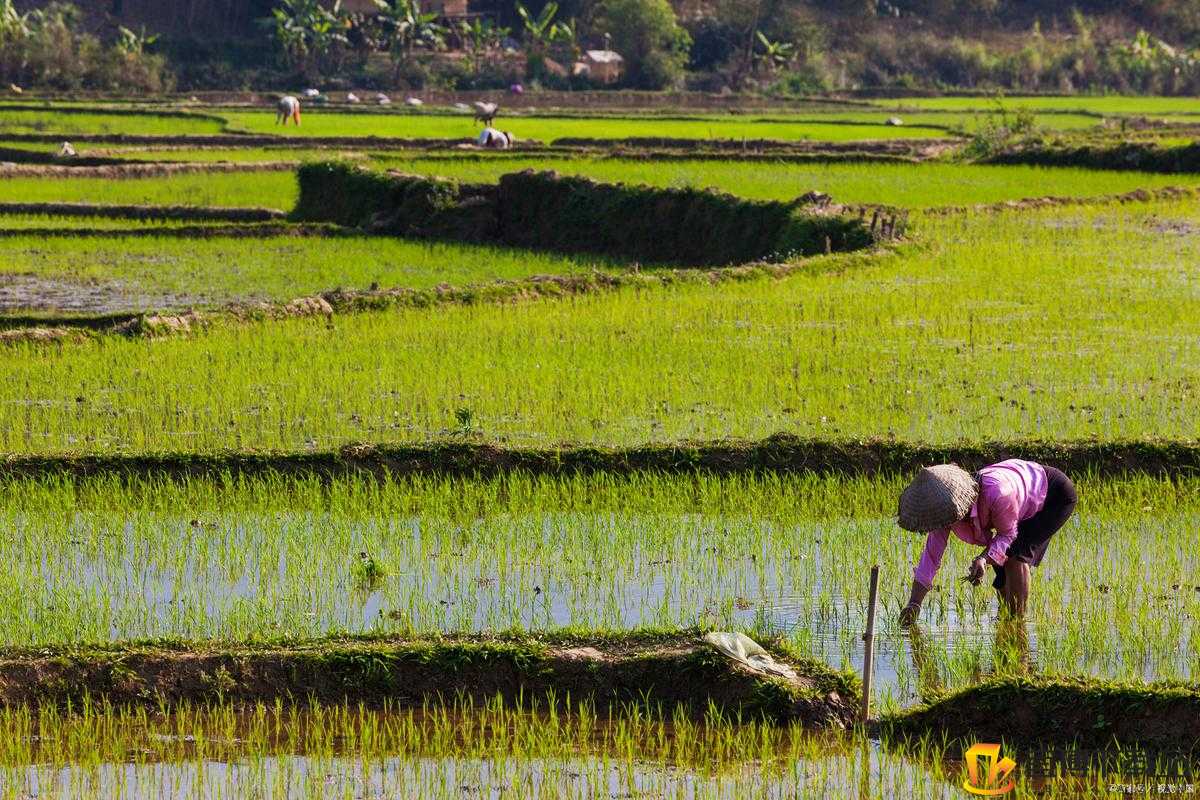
<point>334,512</point>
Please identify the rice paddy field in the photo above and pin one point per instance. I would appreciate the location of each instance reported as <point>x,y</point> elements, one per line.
<point>270,189</point>
<point>1061,324</point>
<point>934,185</point>
<point>1115,105</point>
<point>178,271</point>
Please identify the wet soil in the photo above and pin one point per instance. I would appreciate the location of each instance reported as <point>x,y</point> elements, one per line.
<point>33,293</point>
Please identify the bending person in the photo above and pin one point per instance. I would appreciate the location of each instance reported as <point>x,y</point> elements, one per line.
<point>496,140</point>
<point>1010,509</point>
<point>288,108</point>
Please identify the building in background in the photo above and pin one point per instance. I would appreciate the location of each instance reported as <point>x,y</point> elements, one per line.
<point>602,66</point>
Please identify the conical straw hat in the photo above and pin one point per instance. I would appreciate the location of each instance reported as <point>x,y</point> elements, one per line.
<point>937,498</point>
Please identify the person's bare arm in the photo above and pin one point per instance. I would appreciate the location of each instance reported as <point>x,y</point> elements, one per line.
<point>909,613</point>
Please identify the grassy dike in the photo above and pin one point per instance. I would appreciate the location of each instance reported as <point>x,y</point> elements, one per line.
<point>668,669</point>
<point>781,453</point>
<point>542,210</point>
<point>1057,711</point>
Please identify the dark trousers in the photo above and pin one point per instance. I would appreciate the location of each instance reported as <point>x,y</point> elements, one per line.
<point>1033,534</point>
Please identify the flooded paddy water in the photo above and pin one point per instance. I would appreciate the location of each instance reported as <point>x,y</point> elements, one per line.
<point>1117,597</point>
<point>497,752</point>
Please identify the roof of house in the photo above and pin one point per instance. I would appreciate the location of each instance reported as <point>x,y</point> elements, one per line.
<point>604,56</point>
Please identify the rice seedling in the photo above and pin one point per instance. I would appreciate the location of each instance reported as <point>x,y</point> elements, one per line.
<point>319,122</point>
<point>834,125</point>
<point>104,560</point>
<point>966,120</point>
<point>63,225</point>
<point>967,337</point>
<point>270,189</point>
<point>559,749</point>
<point>907,185</point>
<point>75,121</point>
<point>1098,104</point>
<point>289,152</point>
<point>964,336</point>
<point>169,272</point>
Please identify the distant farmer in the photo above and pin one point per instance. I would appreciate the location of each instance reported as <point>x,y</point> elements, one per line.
<point>1010,509</point>
<point>496,140</point>
<point>485,113</point>
<point>288,108</point>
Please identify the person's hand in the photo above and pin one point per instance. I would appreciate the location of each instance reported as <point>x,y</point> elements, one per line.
<point>975,573</point>
<point>908,614</point>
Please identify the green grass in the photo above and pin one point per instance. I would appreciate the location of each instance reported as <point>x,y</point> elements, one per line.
<point>1059,324</point>
<point>967,119</point>
<point>906,185</point>
<point>270,189</point>
<point>834,126</point>
<point>425,126</point>
<point>923,186</point>
<point>63,225</point>
<point>193,154</point>
<point>174,272</point>
<point>98,122</point>
<point>1098,104</point>
<point>235,154</point>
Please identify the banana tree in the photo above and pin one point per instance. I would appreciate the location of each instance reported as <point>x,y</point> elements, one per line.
<point>406,28</point>
<point>542,30</point>
<point>308,32</point>
<point>478,36</point>
<point>773,55</point>
<point>13,24</point>
<point>133,43</point>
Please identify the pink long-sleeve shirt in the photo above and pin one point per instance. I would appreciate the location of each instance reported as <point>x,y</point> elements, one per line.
<point>1009,492</point>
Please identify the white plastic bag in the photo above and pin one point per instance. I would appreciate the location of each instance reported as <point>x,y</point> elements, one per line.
<point>743,649</point>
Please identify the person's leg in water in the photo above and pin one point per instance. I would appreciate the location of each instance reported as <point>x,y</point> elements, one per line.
<point>1015,592</point>
<point>1012,647</point>
<point>1033,537</point>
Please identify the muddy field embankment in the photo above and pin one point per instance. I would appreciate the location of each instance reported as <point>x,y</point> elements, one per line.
<point>1060,711</point>
<point>778,454</point>
<point>543,210</point>
<point>916,149</point>
<point>669,670</point>
<point>1132,156</point>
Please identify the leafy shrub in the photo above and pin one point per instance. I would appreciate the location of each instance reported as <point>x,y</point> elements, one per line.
<point>647,35</point>
<point>47,48</point>
<point>543,210</point>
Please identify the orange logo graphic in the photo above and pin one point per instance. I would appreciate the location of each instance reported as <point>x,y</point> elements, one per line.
<point>993,783</point>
